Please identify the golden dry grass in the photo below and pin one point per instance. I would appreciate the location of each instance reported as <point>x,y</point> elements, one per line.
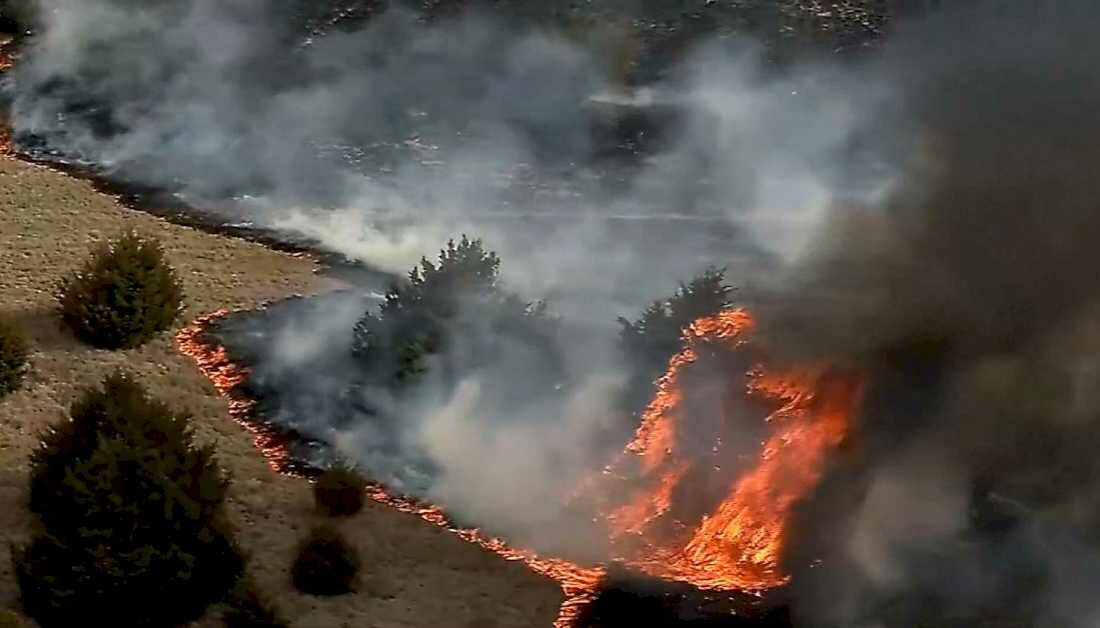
<point>417,575</point>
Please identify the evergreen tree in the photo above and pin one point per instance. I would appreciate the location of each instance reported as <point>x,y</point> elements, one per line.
<point>457,298</point>
<point>649,341</point>
<point>131,528</point>
<point>124,295</point>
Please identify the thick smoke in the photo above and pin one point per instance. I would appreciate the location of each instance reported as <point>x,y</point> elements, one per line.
<point>928,215</point>
<point>981,238</point>
<point>966,293</point>
<point>516,473</point>
<point>383,141</point>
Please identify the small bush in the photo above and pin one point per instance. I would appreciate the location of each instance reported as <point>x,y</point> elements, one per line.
<point>13,358</point>
<point>248,607</point>
<point>326,563</point>
<point>340,492</point>
<point>131,527</point>
<point>125,294</point>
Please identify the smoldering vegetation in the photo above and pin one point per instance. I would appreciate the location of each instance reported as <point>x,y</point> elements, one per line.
<point>448,387</point>
<point>926,214</point>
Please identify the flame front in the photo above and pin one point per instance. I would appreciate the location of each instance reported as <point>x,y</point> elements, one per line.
<point>739,545</point>
<point>226,376</point>
<point>578,583</point>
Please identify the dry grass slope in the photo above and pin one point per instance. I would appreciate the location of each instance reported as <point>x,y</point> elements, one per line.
<point>416,574</point>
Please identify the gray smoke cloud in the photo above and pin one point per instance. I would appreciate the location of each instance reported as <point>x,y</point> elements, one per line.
<point>928,215</point>
<point>383,141</point>
<point>965,293</point>
<point>977,239</point>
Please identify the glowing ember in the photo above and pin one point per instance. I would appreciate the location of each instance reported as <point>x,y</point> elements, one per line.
<point>738,546</point>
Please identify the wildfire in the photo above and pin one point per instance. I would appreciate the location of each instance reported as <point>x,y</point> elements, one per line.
<point>7,62</point>
<point>578,583</point>
<point>214,363</point>
<point>7,53</point>
<point>738,546</point>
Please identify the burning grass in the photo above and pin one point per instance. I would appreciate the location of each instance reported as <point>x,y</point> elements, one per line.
<point>736,547</point>
<point>740,543</point>
<point>226,377</point>
<point>578,583</point>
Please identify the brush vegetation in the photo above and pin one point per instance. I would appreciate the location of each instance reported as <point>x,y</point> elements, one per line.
<point>340,492</point>
<point>124,294</point>
<point>326,564</point>
<point>454,314</point>
<point>131,528</point>
<point>648,341</point>
<point>14,354</point>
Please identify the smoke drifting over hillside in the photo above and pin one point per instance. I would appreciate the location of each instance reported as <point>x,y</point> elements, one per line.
<point>406,134</point>
<point>928,214</point>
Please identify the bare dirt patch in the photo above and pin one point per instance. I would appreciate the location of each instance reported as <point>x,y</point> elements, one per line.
<point>416,575</point>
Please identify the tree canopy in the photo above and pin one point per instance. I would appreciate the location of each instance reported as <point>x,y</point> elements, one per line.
<point>131,529</point>
<point>125,293</point>
<point>456,311</point>
<point>649,341</point>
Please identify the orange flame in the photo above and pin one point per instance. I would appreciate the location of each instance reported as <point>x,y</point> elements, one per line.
<point>738,546</point>
<point>7,54</point>
<point>578,584</point>
<point>214,363</point>
<point>7,62</point>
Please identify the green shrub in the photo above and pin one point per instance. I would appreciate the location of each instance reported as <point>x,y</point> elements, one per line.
<point>13,358</point>
<point>131,528</point>
<point>326,563</point>
<point>340,492</point>
<point>455,315</point>
<point>248,607</point>
<point>123,295</point>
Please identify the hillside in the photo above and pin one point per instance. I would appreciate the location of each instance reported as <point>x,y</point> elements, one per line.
<point>416,574</point>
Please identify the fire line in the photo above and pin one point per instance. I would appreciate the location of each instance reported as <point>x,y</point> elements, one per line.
<point>738,546</point>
